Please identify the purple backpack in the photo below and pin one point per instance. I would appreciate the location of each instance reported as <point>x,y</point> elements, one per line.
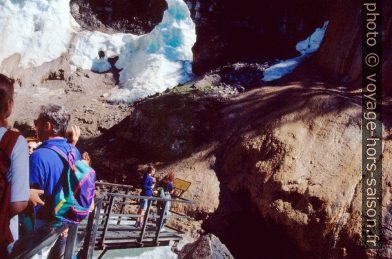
<point>74,194</point>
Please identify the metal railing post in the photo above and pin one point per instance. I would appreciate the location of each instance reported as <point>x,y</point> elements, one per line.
<point>71,241</point>
<point>122,207</point>
<point>107,215</point>
<point>89,229</point>
<point>32,243</point>
<point>145,221</point>
<point>107,198</point>
<point>95,229</point>
<point>160,221</point>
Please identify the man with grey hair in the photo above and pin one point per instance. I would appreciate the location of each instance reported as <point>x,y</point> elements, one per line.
<point>47,167</point>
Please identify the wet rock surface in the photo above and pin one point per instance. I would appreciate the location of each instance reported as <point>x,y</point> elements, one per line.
<point>239,76</point>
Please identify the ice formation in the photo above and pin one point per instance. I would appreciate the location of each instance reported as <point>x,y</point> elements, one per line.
<point>282,68</point>
<point>305,47</point>
<point>41,31</point>
<point>313,42</point>
<point>150,63</point>
<point>88,44</point>
<point>38,30</point>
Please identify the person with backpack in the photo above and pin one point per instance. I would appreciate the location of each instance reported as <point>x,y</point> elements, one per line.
<point>57,169</point>
<point>14,169</point>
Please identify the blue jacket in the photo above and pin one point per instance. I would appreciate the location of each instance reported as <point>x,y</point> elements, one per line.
<point>148,182</point>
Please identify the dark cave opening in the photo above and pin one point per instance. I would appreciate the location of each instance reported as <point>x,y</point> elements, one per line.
<point>247,235</point>
<point>111,16</point>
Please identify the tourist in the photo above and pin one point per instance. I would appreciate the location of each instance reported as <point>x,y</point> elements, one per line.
<point>14,169</point>
<point>46,165</point>
<point>167,183</point>
<point>27,217</point>
<point>32,144</point>
<point>73,134</point>
<point>86,158</point>
<point>165,190</point>
<point>147,190</point>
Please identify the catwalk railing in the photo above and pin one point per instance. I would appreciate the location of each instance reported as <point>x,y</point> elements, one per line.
<point>110,225</point>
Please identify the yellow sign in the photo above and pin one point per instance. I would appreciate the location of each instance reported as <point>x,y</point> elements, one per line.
<point>181,184</point>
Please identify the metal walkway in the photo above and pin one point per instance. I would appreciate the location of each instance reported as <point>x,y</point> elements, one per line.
<point>110,229</point>
<point>109,226</point>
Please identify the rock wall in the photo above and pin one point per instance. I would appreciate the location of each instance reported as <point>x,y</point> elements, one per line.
<point>295,149</point>
<point>251,30</point>
<point>206,247</point>
<point>256,31</point>
<point>129,16</point>
<point>340,56</point>
<point>296,167</point>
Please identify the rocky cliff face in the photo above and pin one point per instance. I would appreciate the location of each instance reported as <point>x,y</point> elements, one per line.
<point>265,30</point>
<point>340,56</point>
<point>294,149</point>
<point>252,30</point>
<point>129,16</point>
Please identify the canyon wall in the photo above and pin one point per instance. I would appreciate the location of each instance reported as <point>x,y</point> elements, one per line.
<point>340,56</point>
<point>229,31</point>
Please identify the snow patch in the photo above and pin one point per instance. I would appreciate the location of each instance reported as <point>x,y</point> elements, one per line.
<point>39,30</point>
<point>305,47</point>
<point>282,68</point>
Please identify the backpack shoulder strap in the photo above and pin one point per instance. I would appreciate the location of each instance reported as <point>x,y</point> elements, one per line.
<point>70,161</point>
<point>7,144</point>
<point>62,178</point>
<point>62,155</point>
<point>8,141</point>
<point>58,151</point>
